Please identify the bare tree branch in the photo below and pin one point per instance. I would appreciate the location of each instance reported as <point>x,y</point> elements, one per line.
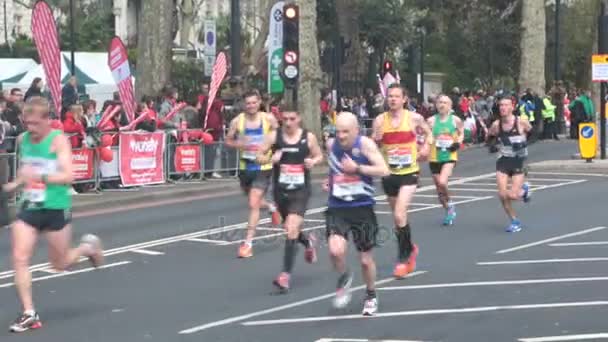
<point>30,6</point>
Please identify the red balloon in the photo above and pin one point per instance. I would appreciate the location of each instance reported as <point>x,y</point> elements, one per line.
<point>207,138</point>
<point>106,140</point>
<point>105,154</point>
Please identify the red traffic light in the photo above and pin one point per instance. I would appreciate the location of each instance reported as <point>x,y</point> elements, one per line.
<point>290,11</point>
<point>388,65</point>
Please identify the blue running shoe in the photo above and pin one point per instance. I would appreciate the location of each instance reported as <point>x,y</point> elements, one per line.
<point>450,215</point>
<point>514,227</point>
<point>527,194</point>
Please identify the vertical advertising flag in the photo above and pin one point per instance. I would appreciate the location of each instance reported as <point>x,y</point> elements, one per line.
<point>118,61</point>
<point>219,72</point>
<point>47,43</point>
<point>275,49</point>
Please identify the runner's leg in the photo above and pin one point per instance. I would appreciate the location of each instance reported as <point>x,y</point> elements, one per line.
<point>516,192</point>
<point>24,240</point>
<point>446,172</point>
<point>402,227</point>
<point>502,181</point>
<point>61,255</point>
<point>293,224</point>
<point>255,202</point>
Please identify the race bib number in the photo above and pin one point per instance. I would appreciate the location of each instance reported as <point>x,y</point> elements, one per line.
<point>348,187</point>
<point>35,192</point>
<point>251,149</point>
<point>517,139</point>
<point>444,142</point>
<point>292,175</point>
<point>400,157</point>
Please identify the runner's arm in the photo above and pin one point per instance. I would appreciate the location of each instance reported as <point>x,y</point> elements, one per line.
<point>272,120</point>
<point>269,140</point>
<point>377,128</point>
<point>316,155</point>
<point>459,129</point>
<point>491,137</point>
<point>377,165</point>
<point>420,122</point>
<point>231,135</point>
<point>65,174</point>
<point>525,126</point>
<point>18,181</point>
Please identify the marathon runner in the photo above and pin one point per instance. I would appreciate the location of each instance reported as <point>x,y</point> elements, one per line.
<point>448,133</point>
<point>296,153</point>
<point>353,161</point>
<point>44,176</point>
<point>508,137</point>
<point>247,133</point>
<point>396,131</point>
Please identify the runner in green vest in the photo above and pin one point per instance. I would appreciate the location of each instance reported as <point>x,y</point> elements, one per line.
<point>448,134</point>
<point>44,179</point>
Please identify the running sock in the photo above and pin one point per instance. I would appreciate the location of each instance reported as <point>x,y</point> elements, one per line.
<point>343,279</point>
<point>291,248</point>
<point>371,293</point>
<point>303,239</point>
<point>30,312</point>
<point>404,241</point>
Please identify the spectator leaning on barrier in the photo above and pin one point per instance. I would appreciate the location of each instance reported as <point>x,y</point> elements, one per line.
<point>90,113</point>
<point>75,124</point>
<point>169,101</point>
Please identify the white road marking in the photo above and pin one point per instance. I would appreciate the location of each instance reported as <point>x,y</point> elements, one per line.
<point>580,337</point>
<point>569,174</point>
<point>435,196</point>
<point>64,274</point>
<point>428,312</point>
<point>493,283</point>
<point>147,252</point>
<point>540,261</point>
<point>552,180</point>
<point>555,238</point>
<point>576,244</point>
<point>473,189</point>
<point>273,235</point>
<point>215,242</point>
<point>269,229</point>
<point>482,184</point>
<point>283,307</point>
<point>313,220</point>
<point>543,187</point>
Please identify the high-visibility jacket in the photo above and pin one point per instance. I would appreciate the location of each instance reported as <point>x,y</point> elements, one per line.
<point>549,111</point>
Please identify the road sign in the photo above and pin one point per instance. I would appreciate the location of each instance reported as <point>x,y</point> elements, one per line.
<point>209,45</point>
<point>291,71</point>
<point>291,57</point>
<point>587,140</point>
<point>599,66</point>
<point>275,49</point>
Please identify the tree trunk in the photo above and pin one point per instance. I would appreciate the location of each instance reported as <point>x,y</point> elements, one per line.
<point>309,90</point>
<point>348,26</point>
<point>533,41</point>
<point>187,18</point>
<point>257,50</point>
<point>154,47</point>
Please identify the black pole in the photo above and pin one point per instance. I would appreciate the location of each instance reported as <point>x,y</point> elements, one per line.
<point>338,66</point>
<point>603,49</point>
<point>557,70</point>
<point>5,26</point>
<point>235,37</point>
<point>421,67</point>
<point>72,42</point>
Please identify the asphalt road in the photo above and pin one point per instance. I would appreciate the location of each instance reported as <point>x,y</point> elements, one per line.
<point>172,274</point>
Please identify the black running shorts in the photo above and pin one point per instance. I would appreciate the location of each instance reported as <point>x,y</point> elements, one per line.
<point>291,202</point>
<point>360,221</point>
<point>510,166</point>
<point>436,167</point>
<point>46,219</point>
<point>255,179</point>
<point>393,183</point>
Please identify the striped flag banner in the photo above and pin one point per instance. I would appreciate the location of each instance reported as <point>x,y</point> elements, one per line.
<point>109,113</point>
<point>219,72</point>
<point>118,61</point>
<point>47,43</point>
<point>176,109</point>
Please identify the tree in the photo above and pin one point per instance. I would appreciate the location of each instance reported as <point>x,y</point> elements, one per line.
<point>189,10</point>
<point>309,87</point>
<point>533,41</point>
<point>154,47</point>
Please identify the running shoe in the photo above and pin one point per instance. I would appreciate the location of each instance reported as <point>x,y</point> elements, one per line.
<point>402,269</point>
<point>370,306</point>
<point>343,295</point>
<point>310,253</point>
<point>245,250</point>
<point>514,227</point>
<point>95,250</point>
<point>274,214</point>
<point>450,215</point>
<point>25,322</point>
<point>282,282</point>
<point>527,194</point>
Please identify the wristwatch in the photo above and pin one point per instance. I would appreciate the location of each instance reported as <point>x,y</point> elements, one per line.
<point>45,179</point>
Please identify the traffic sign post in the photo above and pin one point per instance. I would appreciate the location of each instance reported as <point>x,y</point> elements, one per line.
<point>600,74</point>
<point>209,48</point>
<point>275,49</point>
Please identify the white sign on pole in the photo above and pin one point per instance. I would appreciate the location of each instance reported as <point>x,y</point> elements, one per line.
<point>275,49</point>
<point>209,45</point>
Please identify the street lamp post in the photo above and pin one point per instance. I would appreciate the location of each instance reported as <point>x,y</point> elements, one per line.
<point>557,43</point>
<point>235,37</point>
<point>422,32</point>
<point>72,42</point>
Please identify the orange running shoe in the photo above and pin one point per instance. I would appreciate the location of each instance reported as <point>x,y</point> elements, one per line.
<point>245,250</point>
<point>282,282</point>
<point>402,269</point>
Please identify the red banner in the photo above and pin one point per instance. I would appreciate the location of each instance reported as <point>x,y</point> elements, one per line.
<point>82,161</point>
<point>219,72</point>
<point>47,44</point>
<point>118,61</point>
<point>187,158</point>
<point>141,158</point>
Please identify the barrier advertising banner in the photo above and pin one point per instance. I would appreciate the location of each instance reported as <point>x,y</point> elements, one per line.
<point>141,158</point>
<point>82,161</point>
<point>187,158</point>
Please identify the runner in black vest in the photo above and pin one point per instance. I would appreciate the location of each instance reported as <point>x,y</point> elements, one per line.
<point>296,151</point>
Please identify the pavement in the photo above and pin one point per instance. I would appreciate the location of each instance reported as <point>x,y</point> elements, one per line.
<point>172,272</point>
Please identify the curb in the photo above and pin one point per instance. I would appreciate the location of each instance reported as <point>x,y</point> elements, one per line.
<point>570,165</point>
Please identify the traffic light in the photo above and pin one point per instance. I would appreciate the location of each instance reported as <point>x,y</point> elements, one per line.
<point>387,67</point>
<point>291,41</point>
